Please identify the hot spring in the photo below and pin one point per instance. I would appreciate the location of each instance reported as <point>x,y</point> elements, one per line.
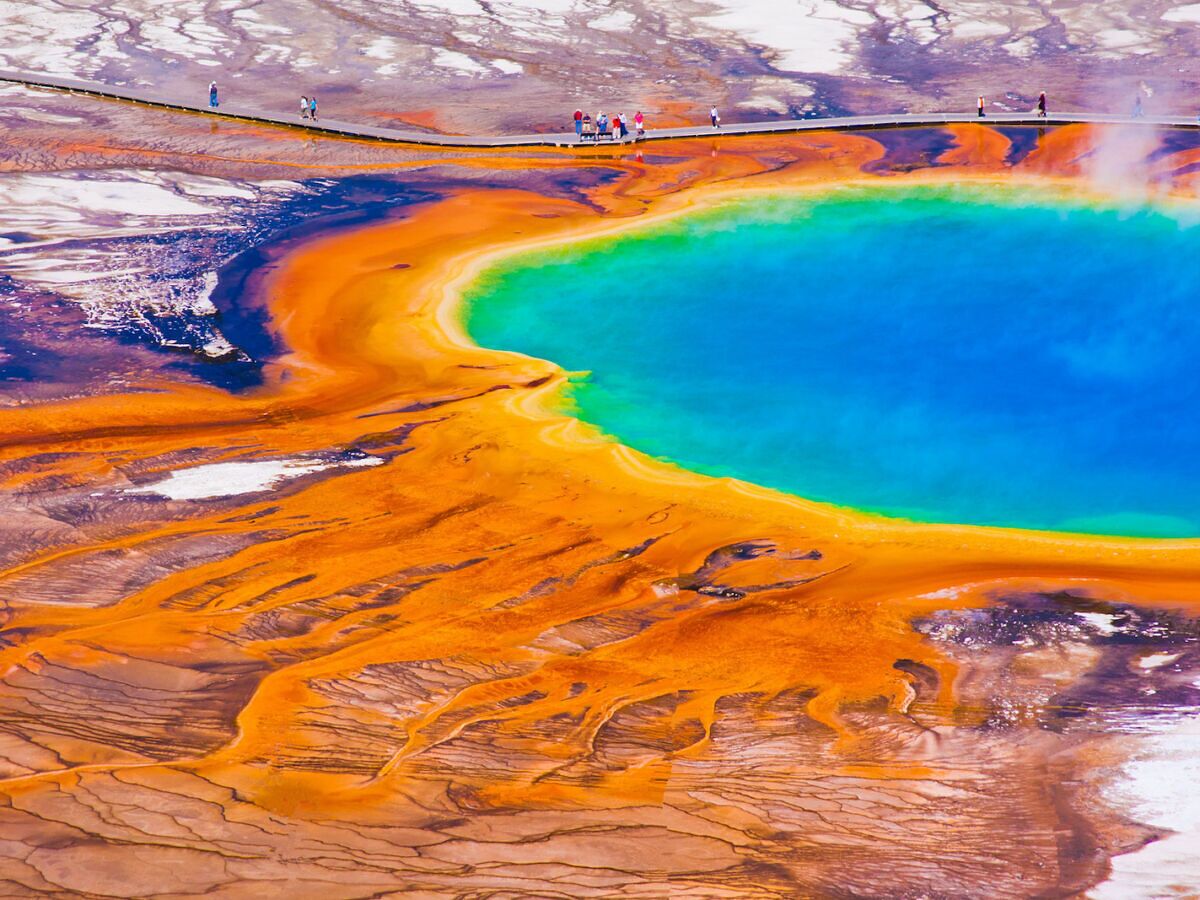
<point>972,355</point>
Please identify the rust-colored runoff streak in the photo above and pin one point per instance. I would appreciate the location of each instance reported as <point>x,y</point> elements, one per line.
<point>512,658</point>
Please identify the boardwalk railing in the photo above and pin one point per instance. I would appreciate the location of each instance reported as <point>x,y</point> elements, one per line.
<point>236,112</point>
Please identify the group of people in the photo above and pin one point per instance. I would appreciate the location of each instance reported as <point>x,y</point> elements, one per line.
<point>587,128</point>
<point>1041,105</point>
<point>617,129</point>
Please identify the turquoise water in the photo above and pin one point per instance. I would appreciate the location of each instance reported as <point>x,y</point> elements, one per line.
<point>965,355</point>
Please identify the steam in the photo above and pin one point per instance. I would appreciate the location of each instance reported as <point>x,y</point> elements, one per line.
<point>1120,162</point>
<point>1123,161</point>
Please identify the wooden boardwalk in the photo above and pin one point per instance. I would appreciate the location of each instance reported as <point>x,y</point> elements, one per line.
<point>334,127</point>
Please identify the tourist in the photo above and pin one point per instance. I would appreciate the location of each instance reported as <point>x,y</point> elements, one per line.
<point>716,119</point>
<point>579,124</point>
<point>588,130</point>
<point>623,123</point>
<point>1138,112</point>
<point>979,106</point>
<point>312,108</point>
<point>601,125</point>
<point>640,121</point>
<point>212,95</point>
<point>1041,105</point>
<point>303,107</point>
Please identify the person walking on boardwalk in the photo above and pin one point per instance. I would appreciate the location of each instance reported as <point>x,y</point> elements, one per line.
<point>303,107</point>
<point>212,95</point>
<point>979,106</point>
<point>1041,105</point>
<point>312,108</point>
<point>1138,111</point>
<point>639,122</point>
<point>579,124</point>
<point>716,119</point>
<point>623,124</point>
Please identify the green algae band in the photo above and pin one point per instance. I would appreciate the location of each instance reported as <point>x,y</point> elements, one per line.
<point>966,355</point>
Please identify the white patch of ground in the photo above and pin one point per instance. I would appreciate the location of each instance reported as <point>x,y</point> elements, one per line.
<point>452,7</point>
<point>553,7</point>
<point>508,66</point>
<point>203,303</point>
<point>229,479</point>
<point>1021,47</point>
<point>203,186</point>
<point>1189,13</point>
<point>765,102</point>
<point>1102,622</point>
<point>382,48</point>
<point>617,20</point>
<point>54,197</point>
<point>459,63</point>
<point>253,24</point>
<point>951,593</point>
<point>905,10</point>
<point>1122,39</point>
<point>1157,660</point>
<point>916,17</point>
<point>776,95</point>
<point>1160,787</point>
<point>802,35</point>
<point>969,30</point>
<point>169,36</point>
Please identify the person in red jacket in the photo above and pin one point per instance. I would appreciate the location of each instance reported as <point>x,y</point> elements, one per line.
<point>579,123</point>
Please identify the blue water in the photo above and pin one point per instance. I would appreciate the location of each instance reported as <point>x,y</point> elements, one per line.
<point>965,355</point>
